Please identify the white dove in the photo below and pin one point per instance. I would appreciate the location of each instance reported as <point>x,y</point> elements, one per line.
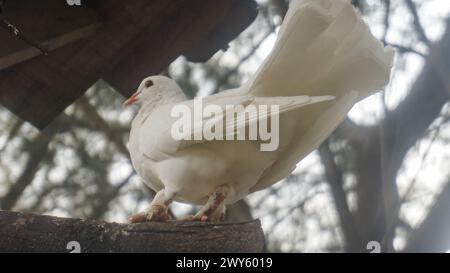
<point>324,61</point>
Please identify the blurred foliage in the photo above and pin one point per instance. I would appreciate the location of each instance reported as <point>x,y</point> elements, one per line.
<point>79,166</point>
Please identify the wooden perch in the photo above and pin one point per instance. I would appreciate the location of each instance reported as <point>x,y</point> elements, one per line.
<point>20,232</point>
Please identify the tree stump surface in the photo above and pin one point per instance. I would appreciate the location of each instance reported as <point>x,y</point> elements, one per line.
<point>24,232</point>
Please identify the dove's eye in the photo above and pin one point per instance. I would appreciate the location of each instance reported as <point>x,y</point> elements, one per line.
<point>148,83</point>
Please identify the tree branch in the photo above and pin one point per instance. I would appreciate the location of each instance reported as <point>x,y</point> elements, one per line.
<point>38,152</point>
<point>334,178</point>
<point>21,232</point>
<point>417,23</point>
<point>100,123</point>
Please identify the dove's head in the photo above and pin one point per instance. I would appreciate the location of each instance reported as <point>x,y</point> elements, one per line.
<point>156,90</point>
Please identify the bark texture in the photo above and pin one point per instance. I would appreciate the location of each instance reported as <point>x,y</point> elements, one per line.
<point>21,232</point>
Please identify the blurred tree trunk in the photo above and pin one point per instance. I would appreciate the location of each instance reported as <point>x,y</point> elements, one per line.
<point>238,212</point>
<point>382,154</point>
<point>379,151</point>
<point>38,149</point>
<point>333,173</point>
<point>433,233</point>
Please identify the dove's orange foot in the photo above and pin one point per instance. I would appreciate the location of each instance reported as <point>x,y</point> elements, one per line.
<point>156,213</point>
<point>215,218</point>
<point>214,209</point>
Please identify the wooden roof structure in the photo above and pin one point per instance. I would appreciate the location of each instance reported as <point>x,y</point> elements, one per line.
<point>119,41</point>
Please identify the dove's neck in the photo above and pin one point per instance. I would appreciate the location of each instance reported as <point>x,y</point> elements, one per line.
<point>159,100</point>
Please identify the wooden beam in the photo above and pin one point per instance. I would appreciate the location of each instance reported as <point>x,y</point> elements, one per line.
<point>51,45</point>
<point>136,38</point>
<point>197,27</point>
<point>239,16</point>
<point>49,24</point>
<point>41,88</point>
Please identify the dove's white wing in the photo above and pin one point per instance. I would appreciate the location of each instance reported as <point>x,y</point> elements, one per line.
<point>157,141</point>
<point>243,117</point>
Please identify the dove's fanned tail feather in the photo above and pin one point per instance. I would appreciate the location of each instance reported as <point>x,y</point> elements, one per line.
<point>318,132</point>
<point>323,48</point>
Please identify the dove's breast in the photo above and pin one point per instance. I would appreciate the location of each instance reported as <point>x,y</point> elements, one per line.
<point>195,172</point>
<point>142,164</point>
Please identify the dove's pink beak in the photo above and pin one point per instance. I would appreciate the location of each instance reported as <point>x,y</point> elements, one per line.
<point>131,100</point>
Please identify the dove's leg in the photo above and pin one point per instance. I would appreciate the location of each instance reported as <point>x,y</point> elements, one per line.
<point>214,209</point>
<point>158,210</point>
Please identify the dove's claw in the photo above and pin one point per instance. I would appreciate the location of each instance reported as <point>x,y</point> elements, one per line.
<point>196,218</point>
<point>214,209</point>
<point>188,218</point>
<point>156,213</point>
<point>137,218</point>
<point>216,216</point>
